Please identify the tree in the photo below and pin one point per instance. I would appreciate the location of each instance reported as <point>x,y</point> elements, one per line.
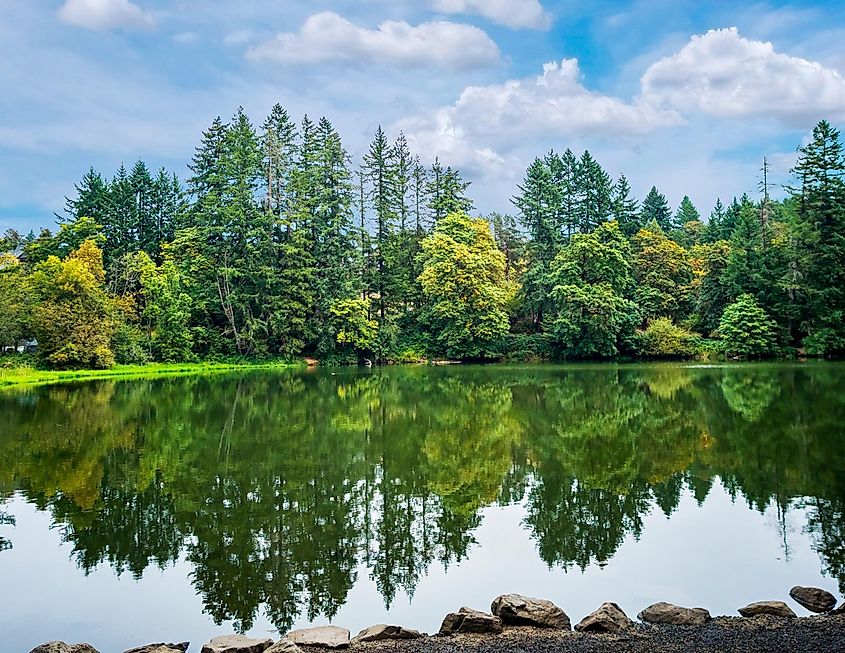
<point>352,327</point>
<point>463,281</point>
<point>821,215</point>
<point>746,330</point>
<point>664,275</point>
<point>588,279</point>
<point>593,191</point>
<point>656,208</point>
<point>71,314</point>
<point>13,302</point>
<point>624,208</point>
<point>714,293</point>
<point>166,309</point>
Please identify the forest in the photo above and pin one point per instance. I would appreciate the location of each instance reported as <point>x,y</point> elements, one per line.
<point>277,247</point>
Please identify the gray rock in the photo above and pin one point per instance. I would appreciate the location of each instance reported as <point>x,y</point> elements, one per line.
<point>813,598</point>
<point>62,647</point>
<point>609,618</point>
<point>383,631</point>
<point>518,610</point>
<point>467,620</point>
<point>327,636</point>
<point>161,648</point>
<point>774,608</point>
<point>283,646</point>
<point>237,644</point>
<point>666,613</point>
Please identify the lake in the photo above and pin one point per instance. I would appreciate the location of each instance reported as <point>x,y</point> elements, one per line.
<point>182,508</point>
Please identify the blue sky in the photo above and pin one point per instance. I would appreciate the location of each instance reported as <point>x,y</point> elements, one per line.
<point>685,95</point>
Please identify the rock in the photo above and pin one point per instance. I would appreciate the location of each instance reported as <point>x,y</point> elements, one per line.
<point>62,647</point>
<point>813,598</point>
<point>467,620</point>
<point>518,610</point>
<point>237,644</point>
<point>328,636</point>
<point>161,648</point>
<point>839,610</point>
<point>283,646</point>
<point>383,631</point>
<point>666,613</point>
<point>774,608</point>
<point>609,618</point>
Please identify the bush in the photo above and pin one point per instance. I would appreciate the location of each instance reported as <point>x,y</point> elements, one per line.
<point>665,339</point>
<point>746,329</point>
<point>525,347</point>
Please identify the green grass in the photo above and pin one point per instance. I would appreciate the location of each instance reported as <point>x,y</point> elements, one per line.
<point>30,376</point>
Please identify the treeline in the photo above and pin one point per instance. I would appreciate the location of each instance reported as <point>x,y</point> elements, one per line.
<point>279,246</point>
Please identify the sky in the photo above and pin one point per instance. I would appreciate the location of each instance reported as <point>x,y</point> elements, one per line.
<point>685,95</point>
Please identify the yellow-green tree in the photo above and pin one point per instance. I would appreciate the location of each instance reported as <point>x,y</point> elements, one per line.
<point>664,275</point>
<point>468,294</point>
<point>71,314</point>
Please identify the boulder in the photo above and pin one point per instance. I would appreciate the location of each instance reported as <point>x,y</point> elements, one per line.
<point>467,620</point>
<point>518,610</point>
<point>237,644</point>
<point>383,631</point>
<point>609,618</point>
<point>161,648</point>
<point>62,647</point>
<point>283,646</point>
<point>327,636</point>
<point>666,613</point>
<point>774,608</point>
<point>813,598</point>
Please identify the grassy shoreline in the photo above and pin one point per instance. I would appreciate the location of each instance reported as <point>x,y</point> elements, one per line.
<point>29,376</point>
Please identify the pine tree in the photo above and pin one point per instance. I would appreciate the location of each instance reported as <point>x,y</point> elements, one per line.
<point>821,196</point>
<point>141,182</point>
<point>715,224</point>
<point>278,145</point>
<point>592,192</point>
<point>655,207</point>
<point>624,208</point>
<point>380,172</point>
<point>120,226</point>
<point>92,199</point>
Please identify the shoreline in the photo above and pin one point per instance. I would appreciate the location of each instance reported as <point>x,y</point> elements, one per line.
<point>722,634</point>
<point>26,377</point>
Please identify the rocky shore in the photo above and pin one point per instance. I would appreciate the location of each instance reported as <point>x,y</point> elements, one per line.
<point>527,625</point>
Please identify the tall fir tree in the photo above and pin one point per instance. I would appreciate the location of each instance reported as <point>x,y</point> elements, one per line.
<point>655,207</point>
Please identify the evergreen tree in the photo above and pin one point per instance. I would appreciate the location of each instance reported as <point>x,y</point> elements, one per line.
<point>656,208</point>
<point>120,226</point>
<point>624,208</point>
<point>593,192</point>
<point>92,199</point>
<point>821,170</point>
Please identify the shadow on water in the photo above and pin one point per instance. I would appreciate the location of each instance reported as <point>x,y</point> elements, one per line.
<point>277,487</point>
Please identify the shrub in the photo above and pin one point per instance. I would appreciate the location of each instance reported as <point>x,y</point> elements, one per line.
<point>747,330</point>
<point>664,338</point>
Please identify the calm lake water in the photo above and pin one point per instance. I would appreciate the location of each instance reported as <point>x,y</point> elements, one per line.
<point>183,508</point>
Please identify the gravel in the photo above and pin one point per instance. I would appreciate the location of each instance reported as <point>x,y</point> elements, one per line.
<point>822,634</point>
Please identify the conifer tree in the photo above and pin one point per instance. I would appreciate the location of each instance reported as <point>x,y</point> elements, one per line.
<point>624,208</point>
<point>655,207</point>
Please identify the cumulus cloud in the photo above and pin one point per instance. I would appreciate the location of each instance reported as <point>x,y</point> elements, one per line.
<point>518,14</point>
<point>487,122</point>
<point>327,36</point>
<point>722,74</point>
<point>719,75</point>
<point>105,14</point>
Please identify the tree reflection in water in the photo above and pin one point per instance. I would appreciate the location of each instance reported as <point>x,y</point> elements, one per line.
<point>277,487</point>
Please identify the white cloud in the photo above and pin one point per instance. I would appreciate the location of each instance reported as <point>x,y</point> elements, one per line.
<point>105,14</point>
<point>327,36</point>
<point>487,122</point>
<point>723,74</point>
<point>518,14</point>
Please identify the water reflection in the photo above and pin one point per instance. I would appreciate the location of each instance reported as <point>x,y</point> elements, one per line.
<point>277,487</point>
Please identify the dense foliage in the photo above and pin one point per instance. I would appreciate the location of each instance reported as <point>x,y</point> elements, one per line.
<point>278,246</point>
